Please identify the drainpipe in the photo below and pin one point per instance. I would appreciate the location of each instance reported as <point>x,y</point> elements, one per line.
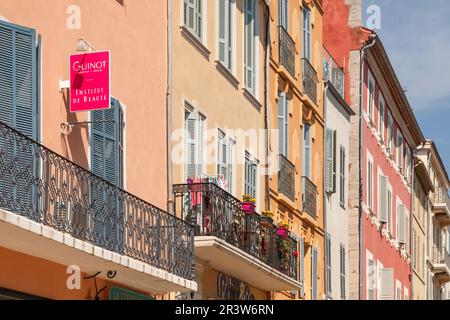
<point>325,92</point>
<point>170,202</point>
<point>266,106</point>
<point>411,217</point>
<point>360,226</point>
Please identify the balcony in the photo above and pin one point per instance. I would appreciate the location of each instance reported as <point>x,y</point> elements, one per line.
<point>286,50</point>
<point>309,80</point>
<point>334,73</point>
<point>441,207</point>
<point>53,209</point>
<point>441,265</point>
<point>309,197</point>
<point>286,178</point>
<point>234,242</point>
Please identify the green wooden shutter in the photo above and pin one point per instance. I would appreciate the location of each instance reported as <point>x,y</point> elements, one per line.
<point>18,105</point>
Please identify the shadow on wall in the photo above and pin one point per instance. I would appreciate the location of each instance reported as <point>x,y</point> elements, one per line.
<point>72,144</point>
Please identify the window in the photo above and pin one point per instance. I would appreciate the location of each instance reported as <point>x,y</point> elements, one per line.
<point>330,141</point>
<point>283,123</point>
<point>342,268</point>
<point>390,134</point>
<point>371,99</point>
<point>193,16</point>
<point>250,176</point>
<point>328,263</point>
<point>193,156</point>
<point>283,14</point>
<point>226,33</point>
<point>342,164</point>
<point>371,281</point>
<point>399,150</point>
<point>307,34</point>
<point>307,157</point>
<point>370,184</point>
<point>250,45</point>
<point>225,159</point>
<point>381,117</point>
<point>314,273</point>
<point>18,106</point>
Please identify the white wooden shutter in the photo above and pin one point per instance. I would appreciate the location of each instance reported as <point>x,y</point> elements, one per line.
<point>383,199</point>
<point>189,13</point>
<point>225,37</point>
<point>249,7</point>
<point>387,284</point>
<point>314,273</point>
<point>401,236</point>
<point>306,150</point>
<point>282,124</point>
<point>329,159</point>
<point>191,149</point>
<point>198,18</point>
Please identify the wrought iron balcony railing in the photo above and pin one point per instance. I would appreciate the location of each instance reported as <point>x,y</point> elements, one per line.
<point>286,178</point>
<point>286,50</point>
<point>309,197</point>
<point>217,213</point>
<point>44,187</point>
<point>309,80</point>
<point>441,256</point>
<point>333,73</point>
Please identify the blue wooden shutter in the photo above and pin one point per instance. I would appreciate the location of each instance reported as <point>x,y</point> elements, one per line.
<point>283,124</point>
<point>18,109</point>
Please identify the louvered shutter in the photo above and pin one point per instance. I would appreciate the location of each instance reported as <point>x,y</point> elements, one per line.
<point>383,199</point>
<point>406,232</point>
<point>282,124</point>
<point>307,150</point>
<point>302,266</point>
<point>18,93</point>
<point>329,136</point>
<point>371,280</point>
<point>199,18</point>
<point>283,12</point>
<point>401,237</point>
<point>314,273</point>
<point>229,164</point>
<point>225,37</point>
<point>387,284</point>
<point>105,163</point>
<point>191,148</point>
<point>249,44</point>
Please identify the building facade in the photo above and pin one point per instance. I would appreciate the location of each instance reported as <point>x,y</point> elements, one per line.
<point>381,143</point>
<point>219,105</point>
<point>81,192</point>
<point>437,239</point>
<point>295,100</point>
<point>337,143</point>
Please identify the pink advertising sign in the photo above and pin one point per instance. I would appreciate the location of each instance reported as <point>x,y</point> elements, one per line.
<point>90,81</point>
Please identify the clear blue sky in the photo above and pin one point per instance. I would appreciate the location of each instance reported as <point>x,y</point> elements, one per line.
<point>416,35</point>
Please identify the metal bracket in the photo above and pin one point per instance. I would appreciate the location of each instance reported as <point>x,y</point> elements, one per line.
<point>64,84</point>
<point>110,274</point>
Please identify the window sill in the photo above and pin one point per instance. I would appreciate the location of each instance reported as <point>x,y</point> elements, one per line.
<point>195,41</point>
<point>250,97</point>
<point>227,74</point>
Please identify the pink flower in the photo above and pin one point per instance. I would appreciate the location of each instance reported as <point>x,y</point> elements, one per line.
<point>295,253</point>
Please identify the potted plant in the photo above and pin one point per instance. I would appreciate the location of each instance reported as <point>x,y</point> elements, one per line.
<point>266,218</point>
<point>248,204</point>
<point>283,230</point>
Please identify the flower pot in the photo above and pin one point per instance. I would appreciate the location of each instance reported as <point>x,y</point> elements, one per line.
<point>282,232</point>
<point>266,221</point>
<point>248,207</point>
